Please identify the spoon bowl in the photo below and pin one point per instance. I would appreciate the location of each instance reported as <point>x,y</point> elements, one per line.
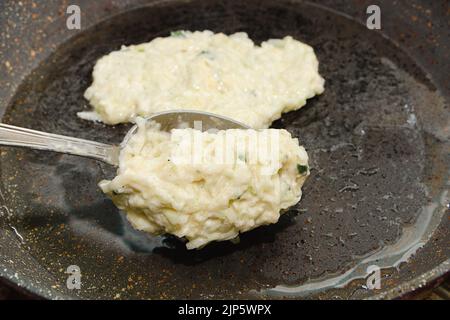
<point>199,120</point>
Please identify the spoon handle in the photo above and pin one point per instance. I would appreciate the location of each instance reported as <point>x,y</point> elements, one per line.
<point>22,137</point>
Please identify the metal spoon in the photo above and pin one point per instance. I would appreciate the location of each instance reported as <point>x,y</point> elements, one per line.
<point>21,137</point>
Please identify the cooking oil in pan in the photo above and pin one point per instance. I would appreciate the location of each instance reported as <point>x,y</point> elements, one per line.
<point>414,237</point>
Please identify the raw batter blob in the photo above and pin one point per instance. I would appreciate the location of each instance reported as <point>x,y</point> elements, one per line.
<point>207,186</point>
<point>226,75</point>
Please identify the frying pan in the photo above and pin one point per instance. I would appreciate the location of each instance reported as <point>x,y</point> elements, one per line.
<point>377,198</point>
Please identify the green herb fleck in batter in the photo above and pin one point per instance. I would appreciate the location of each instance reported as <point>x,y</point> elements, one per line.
<point>179,33</point>
<point>302,169</point>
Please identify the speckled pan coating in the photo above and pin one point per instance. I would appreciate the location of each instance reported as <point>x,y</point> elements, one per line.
<point>370,165</point>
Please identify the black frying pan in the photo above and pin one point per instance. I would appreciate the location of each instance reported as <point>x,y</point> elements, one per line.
<point>377,139</point>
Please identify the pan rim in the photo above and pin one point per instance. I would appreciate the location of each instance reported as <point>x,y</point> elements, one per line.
<point>441,271</point>
<point>428,280</point>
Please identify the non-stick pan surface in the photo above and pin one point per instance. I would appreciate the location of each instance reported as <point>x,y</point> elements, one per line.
<point>377,139</point>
